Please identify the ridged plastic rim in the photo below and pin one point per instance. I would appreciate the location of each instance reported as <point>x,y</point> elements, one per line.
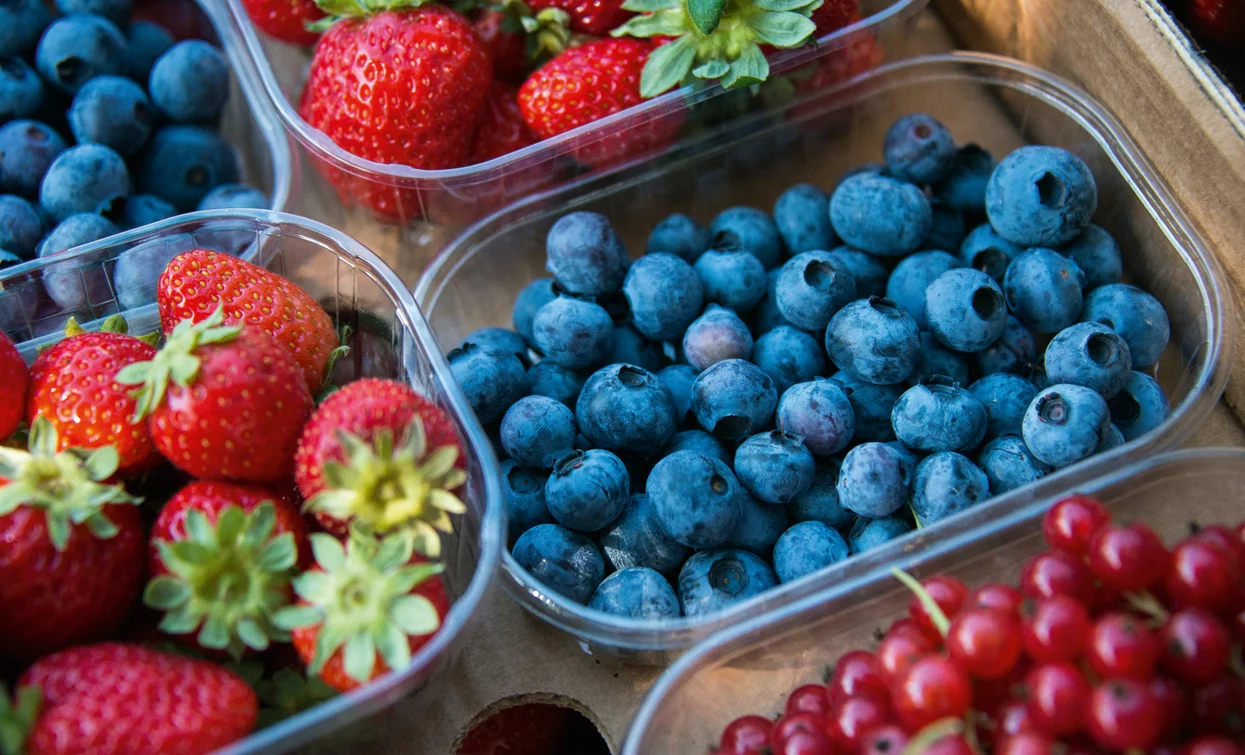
<point>1207,384</point>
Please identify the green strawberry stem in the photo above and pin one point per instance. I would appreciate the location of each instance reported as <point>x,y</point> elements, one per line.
<point>715,39</point>
<point>336,10</point>
<point>225,579</point>
<point>387,488</point>
<point>936,615</point>
<point>17,717</point>
<point>70,486</point>
<point>176,361</point>
<point>360,598</point>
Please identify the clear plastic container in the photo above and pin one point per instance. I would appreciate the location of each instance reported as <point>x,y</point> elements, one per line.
<point>455,197</point>
<point>995,102</point>
<point>751,667</point>
<point>265,153</point>
<point>394,341</point>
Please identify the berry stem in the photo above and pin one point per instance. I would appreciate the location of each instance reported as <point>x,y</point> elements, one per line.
<point>1145,603</point>
<point>1236,664</point>
<point>946,727</point>
<point>939,619</point>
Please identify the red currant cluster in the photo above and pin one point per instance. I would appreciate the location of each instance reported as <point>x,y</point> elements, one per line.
<point>1112,643</point>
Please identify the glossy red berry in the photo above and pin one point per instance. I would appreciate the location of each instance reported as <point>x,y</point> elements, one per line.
<point>1224,537</point>
<point>1071,524</point>
<point>1058,630</point>
<point>1171,699</point>
<point>1195,646</point>
<point>1057,573</point>
<point>990,694</point>
<point>997,597</point>
<point>789,725</point>
<point>806,743</point>
<point>1121,647</point>
<point>853,719</point>
<point>948,593</point>
<point>1057,698</point>
<point>1219,707</point>
<point>857,673</point>
<point>1123,714</point>
<point>1128,558</point>
<point>884,740</point>
<point>984,642</point>
<point>897,652</point>
<point>933,688</point>
<point>1203,574</point>
<point>1213,746</point>
<point>1024,744</point>
<point>949,745</point>
<point>747,735</point>
<point>811,698</point>
<point>1013,717</point>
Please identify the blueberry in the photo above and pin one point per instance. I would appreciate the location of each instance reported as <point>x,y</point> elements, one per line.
<point>759,526</point>
<point>665,295</point>
<point>624,407</point>
<point>713,581</point>
<point>774,466</point>
<point>75,49</point>
<point>523,490</point>
<point>21,227</point>
<point>964,186</point>
<point>875,341</point>
<point>1015,352</point>
<point>936,359</point>
<point>867,534</point>
<point>73,285</point>
<point>629,347</point>
<point>945,484</point>
<point>116,11</point>
<point>965,310</point>
<point>820,503</point>
<point>802,214</point>
<point>492,379</point>
<point>678,379</point>
<point>1008,464</point>
<point>21,90</point>
<point>1005,397</point>
<point>27,148</point>
<point>789,356</point>
<point>1065,423</point>
<point>871,405</point>
<point>880,215</point>
<point>716,335</point>
<point>813,286</point>
<point>1041,196</point>
<point>183,163</point>
<point>806,548</point>
<point>1043,290</point>
<point>747,229</point>
<point>1089,354</point>
<point>1098,256</point>
<point>946,229</point>
<point>112,111</point>
<point>563,561</point>
<point>919,149</point>
<point>139,267</point>
<point>636,539</point>
<point>1112,438</point>
<point>732,278</point>
<point>908,281</point>
<point>733,399</point>
<point>87,178</point>
<point>702,443</point>
<point>939,415</point>
<point>21,24</point>
<point>867,270</point>
<point>985,250</point>
<point>530,299</point>
<point>1139,407</point>
<point>190,82</point>
<point>498,338</point>
<point>585,254</point>
<point>820,412</point>
<point>636,593</point>
<point>536,429</point>
<point>765,316</point>
<point>873,481</point>
<point>231,196</point>
<point>146,42</point>
<point>873,169</point>
<point>1137,316</point>
<point>587,490</point>
<point>678,235</point>
<point>574,333</point>
<point>142,209</point>
<point>695,497</point>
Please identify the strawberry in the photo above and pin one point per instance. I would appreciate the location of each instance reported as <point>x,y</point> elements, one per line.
<point>117,699</point>
<point>381,454</point>
<point>285,20</point>
<point>72,557</point>
<point>195,283</point>
<point>593,17</point>
<point>1218,21</point>
<point>364,609</point>
<point>396,84</point>
<point>502,129</point>
<point>224,401</point>
<point>503,35</point>
<point>13,381</point>
<point>834,15</point>
<point>221,560</point>
<point>72,386</point>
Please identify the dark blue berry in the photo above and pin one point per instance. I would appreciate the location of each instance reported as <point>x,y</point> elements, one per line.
<point>765,316</point>
<point>919,149</point>
<point>965,310</point>
<point>679,235</point>
<point>1065,423</point>
<point>73,285</point>
<point>759,526</point>
<point>536,429</point>
<point>939,415</point>
<point>1098,256</point>
<point>874,340</point>
<point>1089,354</point>
<point>76,48</point>
<point>946,228</point>
<point>945,484</point>
<point>802,215</point>
<point>880,215</point>
<point>774,466</point>
<point>563,561</point>
<point>867,534</point>
<point>523,490</point>
<point>820,412</point>
<point>789,356</point>
<point>629,347</point>
<point>733,399</point>
<point>1139,407</point>
<point>1041,196</point>
<point>116,11</point>
<point>665,294</point>
<point>869,272</point>
<point>21,227</point>
<point>1137,316</point>
<point>678,379</point>
<point>21,24</point>
<point>747,229</point>
<point>872,406</point>
<point>873,481</point>
<point>813,286</point>
<point>574,333</point>
<point>498,338</point>
<point>27,148</point>
<point>88,178</point>
<point>1015,351</point>
<point>964,186</point>
<point>702,443</point>
<point>531,298</point>
<point>21,90</point>
<point>820,503</point>
<point>139,267</point>
<point>183,163</point>
<point>1008,464</point>
<point>585,254</point>
<point>147,42</point>
<point>231,196</point>
<point>587,490</point>
<point>695,498</point>
<point>491,379</point>
<point>636,539</point>
<point>636,593</point>
<point>732,278</point>
<point>623,407</point>
<point>716,335</point>
<point>112,111</point>
<point>985,250</point>
<point>142,209</point>
<point>1112,438</point>
<point>1043,290</point>
<point>806,548</point>
<point>550,379</point>
<point>908,281</point>
<point>936,359</point>
<point>1005,398</point>
<point>190,82</point>
<point>712,581</point>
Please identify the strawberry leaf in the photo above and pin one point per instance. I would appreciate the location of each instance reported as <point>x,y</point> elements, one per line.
<point>782,29</point>
<point>706,14</point>
<point>649,6</point>
<point>667,66</point>
<point>714,69</point>
<point>751,68</point>
<point>17,717</point>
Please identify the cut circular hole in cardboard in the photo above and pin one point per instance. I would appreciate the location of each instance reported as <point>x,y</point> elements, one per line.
<point>533,724</point>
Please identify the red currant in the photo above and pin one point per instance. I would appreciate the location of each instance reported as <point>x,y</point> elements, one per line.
<point>1058,694</point>
<point>747,735</point>
<point>984,642</point>
<point>1024,744</point>
<point>898,652</point>
<point>1203,574</point>
<point>884,740</point>
<point>948,593</point>
<point>990,694</point>
<point>856,673</point>
<point>1071,523</point>
<point>902,625</point>
<point>1219,707</point>
<point>1056,573</point>
<point>1195,646</point>
<point>811,698</point>
<point>1058,630</point>
<point>805,743</point>
<point>1128,558</point>
<point>1172,701</point>
<point>853,719</point>
<point>789,725</point>
<point>1225,538</point>
<point>1123,714</point>
<point>996,597</point>
<point>1121,647</point>
<point>1213,746</point>
<point>1014,718</point>
<point>933,688</point>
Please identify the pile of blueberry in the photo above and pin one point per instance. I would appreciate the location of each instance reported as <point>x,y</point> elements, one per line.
<point>677,422</point>
<point>108,125</point>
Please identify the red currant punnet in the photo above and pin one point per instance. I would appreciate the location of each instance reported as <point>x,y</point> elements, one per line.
<point>1056,573</point>
<point>1121,647</point>
<point>1058,630</point>
<point>856,673</point>
<point>948,592</point>
<point>811,698</point>
<point>746,735</point>
<point>1123,715</point>
<point>1195,646</point>
<point>1128,558</point>
<point>996,597</point>
<point>984,642</point>
<point>1057,698</point>
<point>1071,524</point>
<point>931,689</point>
<point>1203,574</point>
